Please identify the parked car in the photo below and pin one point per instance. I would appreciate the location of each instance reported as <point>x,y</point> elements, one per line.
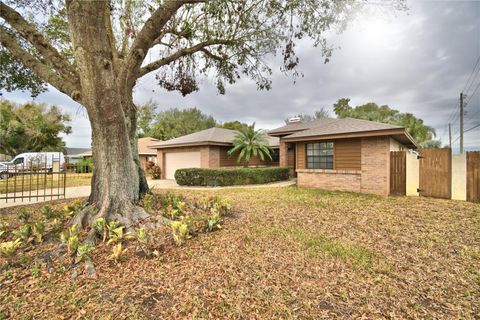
<point>31,161</point>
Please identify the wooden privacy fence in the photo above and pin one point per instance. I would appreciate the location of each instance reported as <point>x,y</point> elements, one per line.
<point>398,173</point>
<point>435,173</point>
<point>473,176</point>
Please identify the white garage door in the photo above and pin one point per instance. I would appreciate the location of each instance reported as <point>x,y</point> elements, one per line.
<point>180,160</point>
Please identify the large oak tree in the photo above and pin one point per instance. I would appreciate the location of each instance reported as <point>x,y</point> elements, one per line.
<point>95,51</point>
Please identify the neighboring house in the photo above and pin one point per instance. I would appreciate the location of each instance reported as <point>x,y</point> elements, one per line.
<point>204,149</point>
<point>74,155</point>
<point>145,152</point>
<point>341,154</point>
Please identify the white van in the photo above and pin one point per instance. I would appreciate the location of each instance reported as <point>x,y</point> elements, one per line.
<point>40,161</point>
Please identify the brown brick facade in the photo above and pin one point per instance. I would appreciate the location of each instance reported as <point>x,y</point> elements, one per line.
<point>372,176</point>
<point>376,165</point>
<point>343,180</point>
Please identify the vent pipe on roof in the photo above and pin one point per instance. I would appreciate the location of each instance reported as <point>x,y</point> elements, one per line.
<point>295,120</point>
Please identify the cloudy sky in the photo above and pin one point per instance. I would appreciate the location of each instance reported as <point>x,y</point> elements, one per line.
<point>416,61</point>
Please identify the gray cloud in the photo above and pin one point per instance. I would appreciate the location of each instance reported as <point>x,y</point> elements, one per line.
<point>416,62</point>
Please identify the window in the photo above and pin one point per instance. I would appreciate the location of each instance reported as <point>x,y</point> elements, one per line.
<point>275,155</point>
<point>320,155</point>
<point>18,161</point>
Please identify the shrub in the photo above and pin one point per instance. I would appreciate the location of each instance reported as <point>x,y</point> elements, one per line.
<point>153,170</point>
<point>84,166</point>
<point>229,177</point>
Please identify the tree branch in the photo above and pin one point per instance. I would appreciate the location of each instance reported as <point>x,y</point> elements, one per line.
<point>145,39</point>
<point>46,50</point>
<point>42,70</point>
<point>181,53</point>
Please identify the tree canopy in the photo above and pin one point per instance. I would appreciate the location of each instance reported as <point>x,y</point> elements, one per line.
<point>31,127</point>
<point>175,122</point>
<point>233,125</point>
<point>373,112</point>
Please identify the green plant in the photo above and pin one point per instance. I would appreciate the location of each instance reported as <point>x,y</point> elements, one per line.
<point>48,213</point>
<point>23,232</point>
<point>100,226</point>
<point>248,143</point>
<point>35,270</point>
<point>116,233</point>
<point>71,239</point>
<point>229,177</point>
<point>213,222</point>
<point>142,236</point>
<point>3,228</point>
<point>180,232</point>
<point>8,248</point>
<point>148,202</point>
<point>118,252</point>
<point>24,215</point>
<point>83,251</point>
<point>71,209</point>
<point>37,231</point>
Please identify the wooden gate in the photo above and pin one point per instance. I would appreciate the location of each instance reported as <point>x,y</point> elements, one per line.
<point>436,173</point>
<point>473,176</point>
<point>398,173</point>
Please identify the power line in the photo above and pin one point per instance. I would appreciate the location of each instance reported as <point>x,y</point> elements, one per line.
<point>475,91</point>
<point>473,71</point>
<point>478,125</point>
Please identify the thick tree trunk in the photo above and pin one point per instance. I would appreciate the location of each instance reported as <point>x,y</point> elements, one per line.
<point>117,176</point>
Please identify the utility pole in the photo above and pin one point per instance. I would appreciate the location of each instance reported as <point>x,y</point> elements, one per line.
<point>450,135</point>
<point>461,122</point>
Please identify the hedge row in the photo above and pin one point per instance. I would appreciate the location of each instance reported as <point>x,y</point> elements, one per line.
<point>229,177</point>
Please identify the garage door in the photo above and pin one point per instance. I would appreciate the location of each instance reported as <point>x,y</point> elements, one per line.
<point>180,160</point>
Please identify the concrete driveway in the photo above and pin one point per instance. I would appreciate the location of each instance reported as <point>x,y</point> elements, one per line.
<point>84,191</point>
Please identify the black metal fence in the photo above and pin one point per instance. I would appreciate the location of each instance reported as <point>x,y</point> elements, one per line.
<point>34,176</point>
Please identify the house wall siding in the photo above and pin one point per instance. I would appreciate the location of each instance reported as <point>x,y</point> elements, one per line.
<point>361,165</point>
<point>347,154</point>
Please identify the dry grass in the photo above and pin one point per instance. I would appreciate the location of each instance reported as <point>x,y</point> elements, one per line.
<point>43,182</point>
<point>286,253</point>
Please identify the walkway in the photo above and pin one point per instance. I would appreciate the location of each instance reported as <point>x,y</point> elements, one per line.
<point>84,191</point>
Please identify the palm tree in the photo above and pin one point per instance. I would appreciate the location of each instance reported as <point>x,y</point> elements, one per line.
<point>249,142</point>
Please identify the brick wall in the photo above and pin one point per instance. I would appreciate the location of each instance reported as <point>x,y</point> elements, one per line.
<point>376,165</point>
<point>283,154</point>
<point>344,180</point>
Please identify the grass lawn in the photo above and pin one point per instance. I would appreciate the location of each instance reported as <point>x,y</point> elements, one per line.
<point>283,253</point>
<point>44,181</point>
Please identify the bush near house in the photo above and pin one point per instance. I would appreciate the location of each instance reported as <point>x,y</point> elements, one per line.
<point>229,177</point>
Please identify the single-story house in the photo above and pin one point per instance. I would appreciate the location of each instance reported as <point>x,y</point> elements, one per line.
<point>341,154</point>
<point>204,149</point>
<point>145,152</point>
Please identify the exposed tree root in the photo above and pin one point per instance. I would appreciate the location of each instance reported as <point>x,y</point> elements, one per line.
<point>126,213</point>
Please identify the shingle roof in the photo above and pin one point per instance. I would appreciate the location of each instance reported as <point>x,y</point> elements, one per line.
<point>214,135</point>
<point>329,126</point>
